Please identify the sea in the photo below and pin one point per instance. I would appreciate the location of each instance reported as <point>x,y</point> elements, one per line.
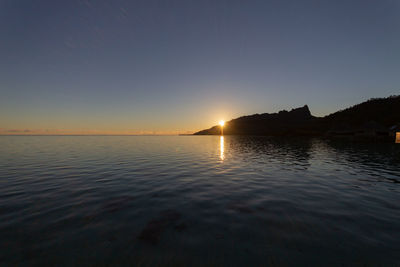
<point>198,201</point>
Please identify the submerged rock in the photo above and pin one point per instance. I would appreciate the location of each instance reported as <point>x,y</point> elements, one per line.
<point>155,227</point>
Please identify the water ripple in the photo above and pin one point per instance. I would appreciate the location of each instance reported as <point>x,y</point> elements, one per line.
<point>196,201</point>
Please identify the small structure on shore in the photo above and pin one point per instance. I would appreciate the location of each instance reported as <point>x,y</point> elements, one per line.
<point>394,132</point>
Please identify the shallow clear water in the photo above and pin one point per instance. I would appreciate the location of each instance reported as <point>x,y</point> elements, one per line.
<point>197,200</point>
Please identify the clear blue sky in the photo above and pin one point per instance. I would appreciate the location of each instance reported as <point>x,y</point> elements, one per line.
<point>175,66</point>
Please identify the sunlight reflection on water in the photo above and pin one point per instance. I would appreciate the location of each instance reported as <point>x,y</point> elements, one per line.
<point>221,148</point>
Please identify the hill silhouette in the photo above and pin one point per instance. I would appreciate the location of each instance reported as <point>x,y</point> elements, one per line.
<point>376,112</point>
<point>385,111</point>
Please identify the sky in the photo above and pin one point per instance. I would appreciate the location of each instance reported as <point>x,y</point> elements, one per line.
<point>167,67</point>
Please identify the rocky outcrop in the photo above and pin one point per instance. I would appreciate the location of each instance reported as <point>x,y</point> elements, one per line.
<point>299,121</point>
<point>281,123</point>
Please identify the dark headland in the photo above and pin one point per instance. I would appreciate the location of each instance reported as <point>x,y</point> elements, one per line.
<point>377,117</point>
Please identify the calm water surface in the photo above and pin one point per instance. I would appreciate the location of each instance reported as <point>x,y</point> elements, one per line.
<point>198,200</point>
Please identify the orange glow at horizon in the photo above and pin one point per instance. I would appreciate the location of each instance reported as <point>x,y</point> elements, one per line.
<point>87,132</point>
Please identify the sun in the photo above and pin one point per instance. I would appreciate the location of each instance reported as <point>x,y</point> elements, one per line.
<point>221,122</point>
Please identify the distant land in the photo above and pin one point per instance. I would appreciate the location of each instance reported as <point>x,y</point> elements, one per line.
<point>375,117</point>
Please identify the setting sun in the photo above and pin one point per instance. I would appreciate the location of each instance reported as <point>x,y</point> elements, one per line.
<point>221,122</point>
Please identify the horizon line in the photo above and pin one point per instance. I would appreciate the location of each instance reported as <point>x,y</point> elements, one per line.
<point>93,134</point>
